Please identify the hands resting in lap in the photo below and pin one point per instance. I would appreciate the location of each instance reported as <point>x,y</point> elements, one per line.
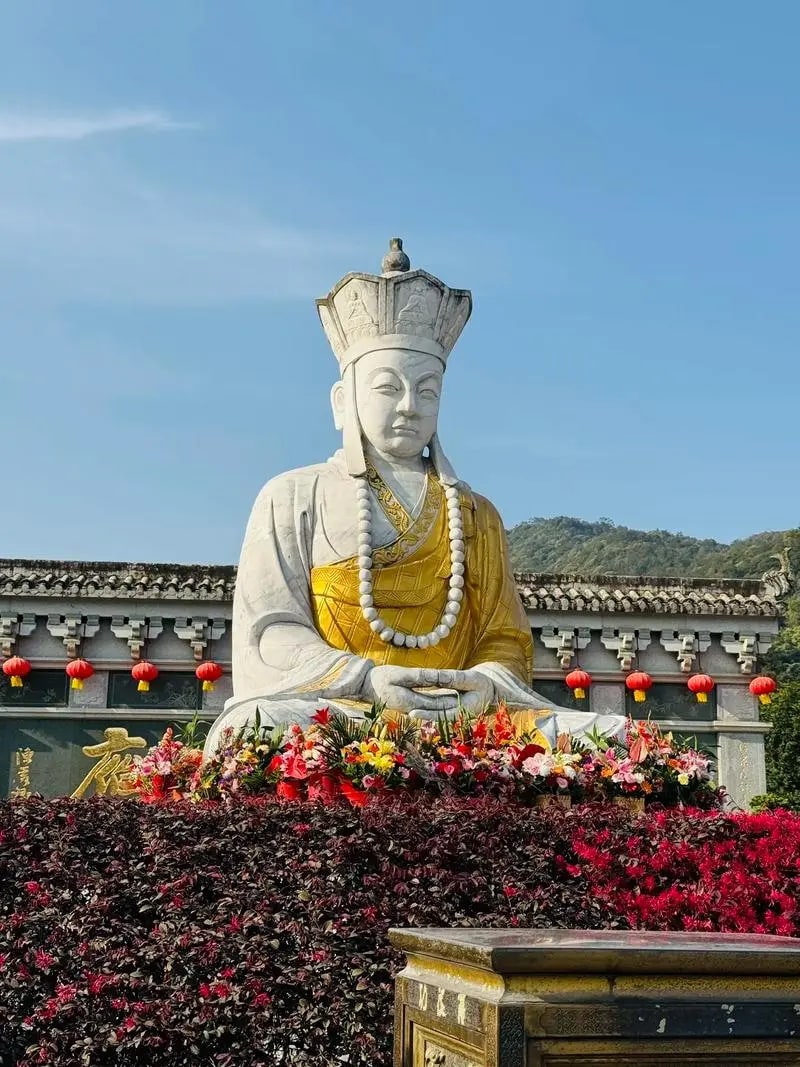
<point>397,688</point>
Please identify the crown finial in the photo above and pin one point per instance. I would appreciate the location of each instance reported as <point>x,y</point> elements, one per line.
<point>395,261</point>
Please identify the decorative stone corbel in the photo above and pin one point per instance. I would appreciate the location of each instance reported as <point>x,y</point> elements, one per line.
<point>686,646</point>
<point>626,643</point>
<point>12,627</point>
<point>565,642</point>
<point>73,629</point>
<point>198,632</point>
<point>747,648</point>
<point>136,631</point>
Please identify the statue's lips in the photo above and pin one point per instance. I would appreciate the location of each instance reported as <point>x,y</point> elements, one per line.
<point>405,431</point>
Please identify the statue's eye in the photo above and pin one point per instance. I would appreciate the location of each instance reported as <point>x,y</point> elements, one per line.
<point>428,394</point>
<point>386,387</point>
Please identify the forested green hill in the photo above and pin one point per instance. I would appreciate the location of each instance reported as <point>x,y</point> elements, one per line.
<point>564,545</point>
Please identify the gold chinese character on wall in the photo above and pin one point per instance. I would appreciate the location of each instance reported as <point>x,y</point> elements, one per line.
<point>23,758</point>
<point>111,774</point>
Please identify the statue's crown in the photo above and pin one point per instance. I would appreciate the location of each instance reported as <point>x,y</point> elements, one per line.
<point>401,308</point>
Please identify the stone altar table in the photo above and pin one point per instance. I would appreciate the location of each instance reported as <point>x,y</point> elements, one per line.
<point>586,998</point>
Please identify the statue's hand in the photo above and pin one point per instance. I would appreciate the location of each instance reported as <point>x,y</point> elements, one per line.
<point>394,687</point>
<point>475,690</point>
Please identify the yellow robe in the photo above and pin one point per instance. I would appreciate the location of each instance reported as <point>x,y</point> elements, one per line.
<point>410,585</point>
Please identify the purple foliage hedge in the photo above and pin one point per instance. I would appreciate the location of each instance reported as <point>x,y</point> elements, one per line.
<point>256,935</point>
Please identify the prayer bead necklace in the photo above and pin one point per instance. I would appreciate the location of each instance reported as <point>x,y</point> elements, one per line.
<point>455,593</point>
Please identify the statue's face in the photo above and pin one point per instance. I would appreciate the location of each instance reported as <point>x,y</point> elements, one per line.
<point>397,396</point>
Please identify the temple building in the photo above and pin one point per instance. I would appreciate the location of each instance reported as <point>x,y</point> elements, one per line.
<point>56,739</point>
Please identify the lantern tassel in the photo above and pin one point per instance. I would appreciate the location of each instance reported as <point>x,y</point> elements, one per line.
<point>76,683</point>
<point>702,698</point>
<point>143,687</point>
<point>16,681</point>
<point>765,698</point>
<point>639,695</point>
<point>580,694</point>
<point>208,686</point>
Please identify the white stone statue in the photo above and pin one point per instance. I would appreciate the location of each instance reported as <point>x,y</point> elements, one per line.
<point>378,576</point>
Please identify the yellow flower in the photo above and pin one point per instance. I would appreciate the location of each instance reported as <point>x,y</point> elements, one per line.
<point>683,778</point>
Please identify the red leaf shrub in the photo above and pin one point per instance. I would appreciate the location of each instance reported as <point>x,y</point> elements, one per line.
<point>256,934</point>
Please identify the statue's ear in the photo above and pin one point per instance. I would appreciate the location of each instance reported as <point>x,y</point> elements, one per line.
<point>338,405</point>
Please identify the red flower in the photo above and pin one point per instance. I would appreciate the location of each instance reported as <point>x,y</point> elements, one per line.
<point>32,887</point>
<point>261,1000</point>
<point>510,891</point>
<point>43,959</point>
<point>323,716</point>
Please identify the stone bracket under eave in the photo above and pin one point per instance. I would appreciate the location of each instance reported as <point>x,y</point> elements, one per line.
<point>626,643</point>
<point>199,633</point>
<point>747,648</point>
<point>136,631</point>
<point>686,645</point>
<point>565,642</point>
<point>73,630</point>
<point>12,627</point>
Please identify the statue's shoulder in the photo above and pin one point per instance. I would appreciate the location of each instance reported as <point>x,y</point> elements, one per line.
<point>300,486</point>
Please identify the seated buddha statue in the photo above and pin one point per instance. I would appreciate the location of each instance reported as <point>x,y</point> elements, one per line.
<point>378,576</point>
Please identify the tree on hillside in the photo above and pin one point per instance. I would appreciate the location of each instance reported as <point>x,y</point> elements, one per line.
<point>783,660</point>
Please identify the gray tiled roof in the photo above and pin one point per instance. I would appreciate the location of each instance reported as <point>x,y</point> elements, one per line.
<point>636,595</point>
<point>539,592</point>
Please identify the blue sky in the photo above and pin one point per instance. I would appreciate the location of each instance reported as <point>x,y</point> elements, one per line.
<point>617,182</point>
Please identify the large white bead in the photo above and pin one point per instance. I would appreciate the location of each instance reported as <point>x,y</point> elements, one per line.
<point>366,601</point>
<point>362,491</point>
<point>423,641</point>
<point>371,614</point>
<point>456,544</point>
<point>364,542</point>
<point>457,568</point>
<point>386,635</point>
<point>364,525</point>
<point>457,556</point>
<point>365,563</point>
<point>433,638</point>
<point>365,587</point>
<point>443,630</point>
<point>377,625</point>
<point>456,582</point>
<point>399,639</point>
<point>453,608</point>
<point>365,575</point>
<point>454,511</point>
<point>411,641</point>
<point>449,620</point>
<point>451,492</point>
<point>455,593</point>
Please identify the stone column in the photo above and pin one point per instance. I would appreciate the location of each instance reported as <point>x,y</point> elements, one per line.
<point>742,769</point>
<point>533,998</point>
<point>607,698</point>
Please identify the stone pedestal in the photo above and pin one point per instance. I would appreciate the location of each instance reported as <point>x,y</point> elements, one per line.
<point>561,998</point>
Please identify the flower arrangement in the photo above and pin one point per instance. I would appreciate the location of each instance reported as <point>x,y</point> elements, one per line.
<point>649,764</point>
<point>493,754</point>
<point>167,771</point>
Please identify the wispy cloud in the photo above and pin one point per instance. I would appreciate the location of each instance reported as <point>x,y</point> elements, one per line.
<point>18,126</point>
<point>85,226</point>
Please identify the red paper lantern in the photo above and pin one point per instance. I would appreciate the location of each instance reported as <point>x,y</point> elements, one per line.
<point>16,668</point>
<point>579,681</point>
<point>208,672</point>
<point>701,685</point>
<point>144,672</point>
<point>761,687</point>
<point>79,670</point>
<point>639,682</point>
